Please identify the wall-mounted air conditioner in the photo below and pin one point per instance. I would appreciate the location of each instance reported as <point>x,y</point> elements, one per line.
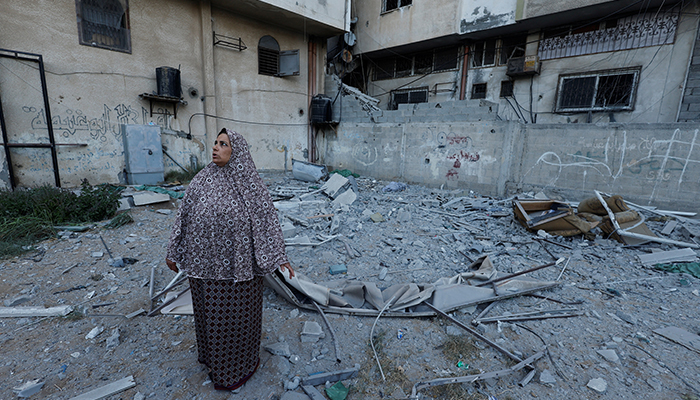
<point>523,66</point>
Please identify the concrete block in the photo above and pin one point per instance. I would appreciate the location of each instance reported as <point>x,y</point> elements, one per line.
<point>288,230</point>
<point>311,332</point>
<point>694,99</point>
<point>312,392</point>
<point>338,269</point>
<point>278,349</point>
<point>335,185</point>
<point>144,198</point>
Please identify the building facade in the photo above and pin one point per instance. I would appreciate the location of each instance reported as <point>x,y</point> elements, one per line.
<point>92,67</point>
<point>541,61</point>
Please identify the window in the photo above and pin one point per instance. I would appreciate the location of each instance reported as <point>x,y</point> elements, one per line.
<point>512,47</point>
<point>598,91</point>
<point>273,62</point>
<point>104,24</point>
<point>506,89</point>
<point>484,53</point>
<point>408,96</point>
<point>479,91</point>
<point>445,59</point>
<point>389,5</point>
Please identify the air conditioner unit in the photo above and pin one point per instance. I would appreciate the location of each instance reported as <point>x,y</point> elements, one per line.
<point>523,66</point>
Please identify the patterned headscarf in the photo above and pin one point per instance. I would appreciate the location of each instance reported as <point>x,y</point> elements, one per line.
<point>227,226</point>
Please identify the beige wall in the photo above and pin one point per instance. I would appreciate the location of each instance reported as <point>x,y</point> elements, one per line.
<point>420,21</point>
<point>92,90</point>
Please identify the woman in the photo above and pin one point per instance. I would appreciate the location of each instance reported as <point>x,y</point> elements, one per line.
<point>226,238</point>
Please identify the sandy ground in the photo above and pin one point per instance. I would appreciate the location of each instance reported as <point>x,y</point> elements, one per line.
<point>620,302</point>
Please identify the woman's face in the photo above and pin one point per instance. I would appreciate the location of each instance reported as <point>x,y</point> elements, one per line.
<point>222,150</point>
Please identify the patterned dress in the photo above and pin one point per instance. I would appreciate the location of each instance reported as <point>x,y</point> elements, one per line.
<point>225,238</point>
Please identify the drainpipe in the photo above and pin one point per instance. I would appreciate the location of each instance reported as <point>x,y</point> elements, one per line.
<point>209,92</point>
<point>311,137</point>
<point>463,83</point>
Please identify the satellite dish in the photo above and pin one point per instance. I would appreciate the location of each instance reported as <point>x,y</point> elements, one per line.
<point>350,38</point>
<point>346,55</point>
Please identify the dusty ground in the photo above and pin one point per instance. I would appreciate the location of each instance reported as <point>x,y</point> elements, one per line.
<point>622,303</point>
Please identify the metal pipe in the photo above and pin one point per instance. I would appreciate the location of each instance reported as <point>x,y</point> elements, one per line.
<point>516,274</point>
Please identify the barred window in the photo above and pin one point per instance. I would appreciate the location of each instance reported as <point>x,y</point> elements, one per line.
<point>479,91</point>
<point>408,96</point>
<point>484,53</point>
<point>104,24</point>
<point>273,62</point>
<point>389,5</point>
<point>612,90</point>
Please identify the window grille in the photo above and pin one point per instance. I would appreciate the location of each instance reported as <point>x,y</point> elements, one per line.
<point>506,89</point>
<point>479,91</point>
<point>612,90</point>
<point>268,56</point>
<point>104,24</point>
<point>632,32</point>
<point>394,4</point>
<point>408,96</point>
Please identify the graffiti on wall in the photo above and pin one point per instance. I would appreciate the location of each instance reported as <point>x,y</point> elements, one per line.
<point>654,160</point>
<point>97,128</point>
<point>459,151</point>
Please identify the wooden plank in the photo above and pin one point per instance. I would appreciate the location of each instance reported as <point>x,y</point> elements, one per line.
<point>680,336</point>
<point>59,311</point>
<point>662,257</point>
<point>108,390</point>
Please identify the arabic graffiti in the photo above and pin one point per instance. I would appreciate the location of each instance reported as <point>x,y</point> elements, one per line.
<point>457,156</point>
<point>98,128</point>
<point>655,160</point>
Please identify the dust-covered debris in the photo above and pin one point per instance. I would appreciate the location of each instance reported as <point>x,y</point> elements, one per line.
<point>427,234</point>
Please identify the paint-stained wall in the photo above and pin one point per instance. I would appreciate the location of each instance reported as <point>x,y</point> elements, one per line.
<point>478,15</point>
<point>649,164</point>
<point>93,90</point>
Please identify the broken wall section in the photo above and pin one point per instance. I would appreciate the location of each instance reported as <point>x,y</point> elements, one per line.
<point>648,164</point>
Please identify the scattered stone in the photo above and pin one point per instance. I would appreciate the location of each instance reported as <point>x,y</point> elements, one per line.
<point>453,330</point>
<point>281,364</point>
<point>383,272</point>
<point>113,341</point>
<point>295,395</point>
<point>547,378</point>
<point>294,313</point>
<point>377,217</point>
<point>609,355</point>
<point>139,396</point>
<point>626,317</point>
<point>292,384</point>
<point>29,388</point>
<point>311,332</point>
<point>97,254</point>
<point>278,349</point>
<point>338,269</point>
<point>598,384</point>
<point>94,332</point>
<point>164,211</point>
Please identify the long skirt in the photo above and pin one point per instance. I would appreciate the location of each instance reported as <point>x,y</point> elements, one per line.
<point>228,323</point>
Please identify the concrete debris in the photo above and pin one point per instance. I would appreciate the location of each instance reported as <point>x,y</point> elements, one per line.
<point>164,211</point>
<point>108,390</point>
<point>681,336</point>
<point>598,384</point>
<point>278,349</point>
<point>311,332</point>
<point>293,396</point>
<point>671,256</point>
<point>113,340</point>
<point>609,355</point>
<point>58,311</point>
<point>94,332</point>
<point>546,377</point>
<point>319,379</point>
<point>17,301</point>
<point>145,198</point>
<point>308,172</point>
<point>29,388</point>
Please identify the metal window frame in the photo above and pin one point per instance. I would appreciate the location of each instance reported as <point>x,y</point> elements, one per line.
<point>496,53</point>
<point>598,74</point>
<point>474,86</point>
<point>399,4</point>
<point>127,30</point>
<point>422,89</point>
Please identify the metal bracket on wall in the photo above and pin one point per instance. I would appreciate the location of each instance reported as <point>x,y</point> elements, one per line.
<point>175,101</point>
<point>229,42</point>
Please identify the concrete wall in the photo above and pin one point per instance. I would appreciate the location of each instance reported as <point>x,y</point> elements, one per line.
<point>538,8</point>
<point>420,21</point>
<point>477,15</point>
<point>649,164</point>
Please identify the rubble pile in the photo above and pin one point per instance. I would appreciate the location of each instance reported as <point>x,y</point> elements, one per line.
<point>391,275</point>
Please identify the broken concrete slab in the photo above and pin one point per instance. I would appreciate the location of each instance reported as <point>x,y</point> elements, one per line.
<point>338,269</point>
<point>609,355</point>
<point>319,379</point>
<point>663,257</point>
<point>598,384</point>
<point>312,392</point>
<point>145,198</point>
<point>311,332</point>
<point>29,388</point>
<point>307,171</point>
<point>345,199</point>
<point>680,336</point>
<point>294,396</point>
<point>58,311</point>
<point>278,349</point>
<point>335,185</point>
<point>547,378</point>
<point>288,230</point>
<point>107,390</point>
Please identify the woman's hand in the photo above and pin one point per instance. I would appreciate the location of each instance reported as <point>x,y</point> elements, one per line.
<point>288,267</point>
<point>172,265</point>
